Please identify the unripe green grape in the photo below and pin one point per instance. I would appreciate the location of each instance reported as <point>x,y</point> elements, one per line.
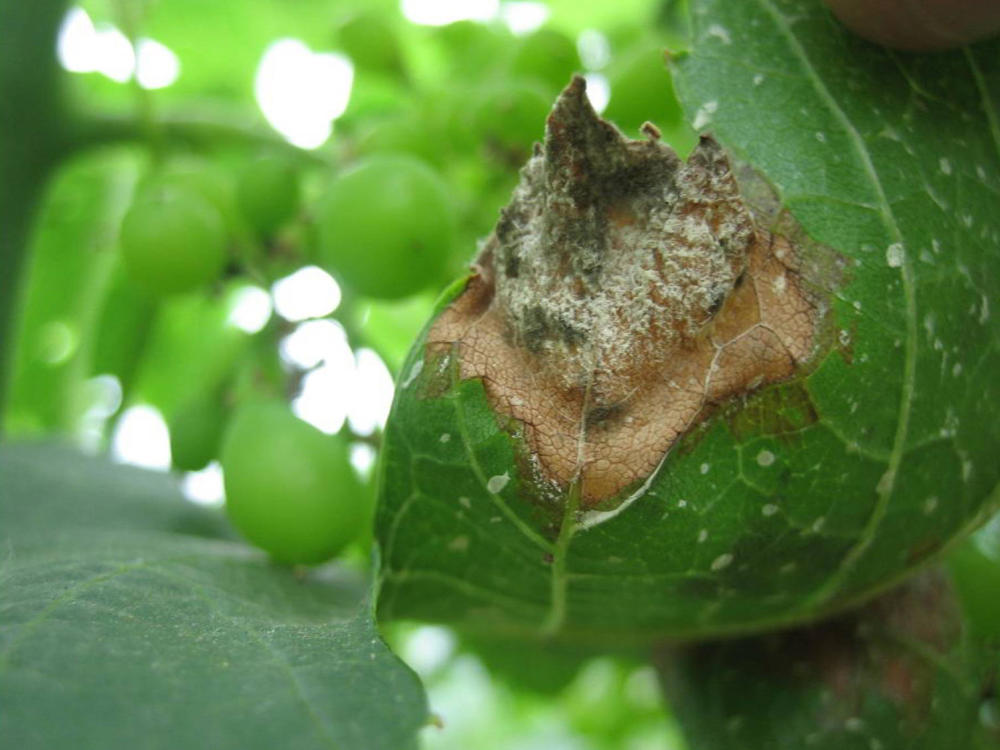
<point>290,488</point>
<point>196,429</point>
<point>370,40</point>
<point>548,56</point>
<point>386,226</point>
<point>509,119</point>
<point>173,240</point>
<point>268,194</point>
<point>445,115</point>
<point>642,89</point>
<point>404,134</point>
<point>472,49</point>
<point>205,178</point>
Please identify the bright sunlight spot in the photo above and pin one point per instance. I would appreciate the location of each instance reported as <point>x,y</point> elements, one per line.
<point>302,92</point>
<point>340,384</point>
<point>327,389</point>
<point>594,49</point>
<point>251,309</point>
<point>56,342</point>
<point>83,47</point>
<point>428,648</point>
<point>373,391</point>
<point>524,17</point>
<point>598,91</point>
<point>322,402</point>
<point>156,65</point>
<point>464,695</point>
<point>315,342</point>
<point>140,438</point>
<point>74,46</point>
<point>310,292</point>
<point>441,12</point>
<point>102,397</point>
<point>363,459</point>
<point>112,54</point>
<point>204,487</point>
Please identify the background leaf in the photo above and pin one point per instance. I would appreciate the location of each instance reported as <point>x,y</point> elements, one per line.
<point>72,259</point>
<point>903,672</point>
<point>130,620</point>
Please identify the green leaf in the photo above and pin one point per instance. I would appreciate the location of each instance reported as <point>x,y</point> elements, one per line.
<point>805,497</point>
<point>31,134</point>
<point>73,255</point>
<point>129,620</point>
<point>902,673</point>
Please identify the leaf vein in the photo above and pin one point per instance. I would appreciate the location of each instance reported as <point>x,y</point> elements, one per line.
<point>68,596</point>
<point>528,532</point>
<point>828,589</point>
<point>989,106</point>
<point>277,656</point>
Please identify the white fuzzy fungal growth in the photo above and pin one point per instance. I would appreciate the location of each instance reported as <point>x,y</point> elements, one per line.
<point>622,295</point>
<point>613,250</point>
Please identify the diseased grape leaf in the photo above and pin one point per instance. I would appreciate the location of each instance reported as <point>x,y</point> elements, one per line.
<point>128,619</point>
<point>804,497</point>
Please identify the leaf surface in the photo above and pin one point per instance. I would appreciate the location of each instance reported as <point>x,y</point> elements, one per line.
<point>894,160</point>
<point>128,619</point>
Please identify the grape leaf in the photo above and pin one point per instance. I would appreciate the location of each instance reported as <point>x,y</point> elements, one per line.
<point>71,259</point>
<point>128,619</point>
<point>804,497</point>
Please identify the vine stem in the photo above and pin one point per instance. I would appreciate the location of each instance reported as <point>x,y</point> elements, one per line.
<point>203,130</point>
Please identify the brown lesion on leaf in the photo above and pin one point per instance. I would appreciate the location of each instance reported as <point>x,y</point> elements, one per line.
<point>622,296</point>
